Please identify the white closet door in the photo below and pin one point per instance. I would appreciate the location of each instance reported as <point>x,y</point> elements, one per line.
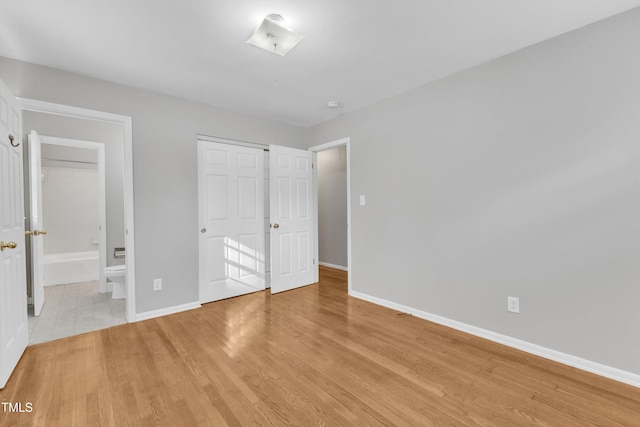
<point>14,330</point>
<point>291,206</point>
<point>231,216</point>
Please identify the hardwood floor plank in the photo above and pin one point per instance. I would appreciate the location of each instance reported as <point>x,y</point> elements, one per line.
<point>311,356</point>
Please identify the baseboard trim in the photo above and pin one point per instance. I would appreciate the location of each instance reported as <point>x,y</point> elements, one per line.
<point>337,267</point>
<point>68,280</point>
<point>557,356</point>
<point>166,311</point>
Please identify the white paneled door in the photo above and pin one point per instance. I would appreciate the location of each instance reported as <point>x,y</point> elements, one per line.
<point>35,220</point>
<point>14,331</point>
<point>291,206</point>
<point>231,217</point>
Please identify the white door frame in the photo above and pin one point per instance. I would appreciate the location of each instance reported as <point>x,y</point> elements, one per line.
<point>323,147</point>
<point>33,182</point>
<point>102,193</point>
<point>127,136</point>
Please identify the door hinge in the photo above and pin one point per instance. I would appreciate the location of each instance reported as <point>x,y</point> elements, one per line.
<point>314,261</point>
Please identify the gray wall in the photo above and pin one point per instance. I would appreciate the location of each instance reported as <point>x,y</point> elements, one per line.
<point>164,163</point>
<point>90,130</point>
<point>332,206</point>
<point>519,177</point>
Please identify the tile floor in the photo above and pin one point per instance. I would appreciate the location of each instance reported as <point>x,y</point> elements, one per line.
<point>74,309</point>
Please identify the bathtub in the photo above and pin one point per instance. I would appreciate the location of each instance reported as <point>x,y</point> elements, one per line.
<point>71,267</point>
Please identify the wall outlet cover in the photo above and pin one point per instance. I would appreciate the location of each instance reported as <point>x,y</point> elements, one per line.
<point>513,304</point>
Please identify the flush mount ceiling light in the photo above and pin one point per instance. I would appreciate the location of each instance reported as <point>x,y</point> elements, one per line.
<point>274,37</point>
<point>333,105</point>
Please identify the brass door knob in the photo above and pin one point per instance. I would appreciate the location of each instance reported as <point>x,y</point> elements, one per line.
<point>10,245</point>
<point>276,225</point>
<point>43,232</point>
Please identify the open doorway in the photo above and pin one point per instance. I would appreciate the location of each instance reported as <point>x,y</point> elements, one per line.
<point>332,208</point>
<point>68,191</point>
<point>80,303</point>
<point>333,205</point>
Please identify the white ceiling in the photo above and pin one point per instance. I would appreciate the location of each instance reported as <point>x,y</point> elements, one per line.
<point>356,52</point>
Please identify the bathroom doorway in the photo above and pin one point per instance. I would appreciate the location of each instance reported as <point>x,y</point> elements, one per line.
<point>66,179</point>
<point>83,217</point>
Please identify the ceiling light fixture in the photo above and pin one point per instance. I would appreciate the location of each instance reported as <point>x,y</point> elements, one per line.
<point>333,105</point>
<point>274,37</point>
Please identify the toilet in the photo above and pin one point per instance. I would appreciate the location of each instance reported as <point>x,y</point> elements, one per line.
<point>117,275</point>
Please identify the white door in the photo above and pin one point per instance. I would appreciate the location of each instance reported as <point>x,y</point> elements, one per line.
<point>231,217</point>
<point>14,330</point>
<point>291,206</point>
<point>35,222</point>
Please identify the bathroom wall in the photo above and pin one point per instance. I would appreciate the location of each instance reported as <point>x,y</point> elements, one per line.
<point>95,131</point>
<point>332,206</point>
<point>70,200</point>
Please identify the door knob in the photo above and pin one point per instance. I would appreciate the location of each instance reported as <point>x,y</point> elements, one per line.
<point>10,245</point>
<point>35,232</point>
<point>276,225</point>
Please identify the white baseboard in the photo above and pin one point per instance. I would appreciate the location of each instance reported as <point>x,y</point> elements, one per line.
<point>557,356</point>
<point>337,267</point>
<point>70,279</point>
<point>166,311</point>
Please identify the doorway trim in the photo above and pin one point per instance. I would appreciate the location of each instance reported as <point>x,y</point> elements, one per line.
<point>127,137</point>
<point>102,194</point>
<point>316,149</point>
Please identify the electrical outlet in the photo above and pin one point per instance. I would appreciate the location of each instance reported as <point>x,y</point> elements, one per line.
<point>513,304</point>
<point>157,284</point>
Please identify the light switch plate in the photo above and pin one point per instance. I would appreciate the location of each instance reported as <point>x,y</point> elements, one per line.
<point>363,201</point>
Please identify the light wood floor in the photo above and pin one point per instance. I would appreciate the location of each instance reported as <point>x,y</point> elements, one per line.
<point>312,356</point>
